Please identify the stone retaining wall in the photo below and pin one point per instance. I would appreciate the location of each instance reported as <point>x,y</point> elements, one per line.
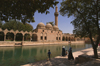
<point>20,43</point>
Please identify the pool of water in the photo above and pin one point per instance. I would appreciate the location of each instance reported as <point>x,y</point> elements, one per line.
<point>16,56</point>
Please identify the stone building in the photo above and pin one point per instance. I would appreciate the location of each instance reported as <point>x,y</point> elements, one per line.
<point>68,37</point>
<point>47,33</point>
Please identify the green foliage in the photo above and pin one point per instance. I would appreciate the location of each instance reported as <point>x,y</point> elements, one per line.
<point>86,13</point>
<point>87,18</point>
<point>15,25</point>
<point>0,24</point>
<point>24,9</point>
<point>52,23</point>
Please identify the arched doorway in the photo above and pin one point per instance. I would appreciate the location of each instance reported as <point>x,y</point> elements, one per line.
<point>9,36</point>
<point>1,36</point>
<point>57,38</point>
<point>66,39</point>
<point>34,37</point>
<point>45,36</point>
<point>19,37</point>
<point>63,38</point>
<point>27,37</point>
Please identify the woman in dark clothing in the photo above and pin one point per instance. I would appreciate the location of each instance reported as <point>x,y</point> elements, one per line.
<point>70,55</point>
<point>63,51</point>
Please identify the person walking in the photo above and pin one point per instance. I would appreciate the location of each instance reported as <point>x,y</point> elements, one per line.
<point>70,55</point>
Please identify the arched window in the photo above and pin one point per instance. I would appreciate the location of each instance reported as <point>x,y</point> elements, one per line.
<point>45,38</point>
<point>56,38</point>
<point>41,37</point>
<point>43,30</point>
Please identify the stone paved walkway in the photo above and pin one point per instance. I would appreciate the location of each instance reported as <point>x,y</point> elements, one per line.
<point>63,61</point>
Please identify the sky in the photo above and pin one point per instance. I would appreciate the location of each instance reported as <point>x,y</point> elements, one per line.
<point>63,21</point>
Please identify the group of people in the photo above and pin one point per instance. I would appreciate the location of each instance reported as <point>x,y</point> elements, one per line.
<point>70,55</point>
<point>64,53</point>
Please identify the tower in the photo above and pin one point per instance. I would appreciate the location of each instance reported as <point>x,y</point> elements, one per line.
<point>56,16</point>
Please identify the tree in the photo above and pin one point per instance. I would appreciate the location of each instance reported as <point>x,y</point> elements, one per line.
<point>52,23</point>
<point>0,24</point>
<point>15,25</point>
<point>87,18</point>
<point>24,9</point>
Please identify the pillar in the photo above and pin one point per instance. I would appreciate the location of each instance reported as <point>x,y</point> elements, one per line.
<point>4,37</point>
<point>23,38</point>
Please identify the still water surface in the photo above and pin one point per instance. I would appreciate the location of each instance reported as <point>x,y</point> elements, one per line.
<point>16,56</point>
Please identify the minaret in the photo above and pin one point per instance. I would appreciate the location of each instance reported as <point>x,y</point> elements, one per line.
<point>56,16</point>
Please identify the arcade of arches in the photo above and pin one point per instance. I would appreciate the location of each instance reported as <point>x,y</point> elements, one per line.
<point>37,35</point>
<point>11,35</point>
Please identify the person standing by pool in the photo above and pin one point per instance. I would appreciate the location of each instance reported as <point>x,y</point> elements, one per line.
<point>63,51</point>
<point>49,53</point>
<point>66,52</point>
<point>70,55</point>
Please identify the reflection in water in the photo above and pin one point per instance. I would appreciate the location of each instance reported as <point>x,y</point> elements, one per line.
<point>15,56</point>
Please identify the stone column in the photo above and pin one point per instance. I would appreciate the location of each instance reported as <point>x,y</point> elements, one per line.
<point>4,37</point>
<point>23,38</point>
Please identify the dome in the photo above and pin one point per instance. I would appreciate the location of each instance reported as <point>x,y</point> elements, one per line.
<point>48,25</point>
<point>41,25</point>
<point>55,27</point>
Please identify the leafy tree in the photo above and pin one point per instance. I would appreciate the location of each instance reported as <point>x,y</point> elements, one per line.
<point>0,24</point>
<point>24,9</point>
<point>52,23</point>
<point>28,27</point>
<point>15,25</point>
<point>87,18</point>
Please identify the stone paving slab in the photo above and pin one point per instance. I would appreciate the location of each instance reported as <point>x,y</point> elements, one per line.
<point>63,61</point>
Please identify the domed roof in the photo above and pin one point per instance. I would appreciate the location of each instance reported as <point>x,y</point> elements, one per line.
<point>49,25</point>
<point>41,24</point>
<point>55,27</point>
